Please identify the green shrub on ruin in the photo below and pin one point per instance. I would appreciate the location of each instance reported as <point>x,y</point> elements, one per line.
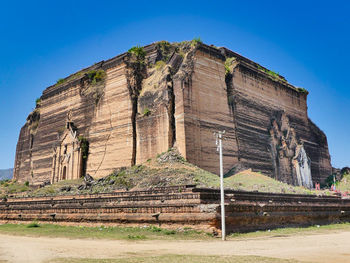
<point>228,65</point>
<point>302,90</point>
<point>37,102</point>
<point>95,84</point>
<point>138,52</point>
<point>196,41</point>
<point>96,76</point>
<point>166,50</point>
<point>60,81</point>
<point>84,146</point>
<point>146,112</point>
<point>274,75</point>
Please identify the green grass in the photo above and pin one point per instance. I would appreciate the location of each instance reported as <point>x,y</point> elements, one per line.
<point>249,181</point>
<point>176,259</point>
<point>152,232</point>
<point>54,189</point>
<point>167,169</point>
<point>102,232</point>
<point>9,187</point>
<point>272,74</point>
<point>289,231</point>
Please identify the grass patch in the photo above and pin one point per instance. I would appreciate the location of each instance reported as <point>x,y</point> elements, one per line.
<point>9,187</point>
<point>102,232</point>
<point>60,81</point>
<point>272,74</point>
<point>136,237</point>
<point>146,112</point>
<point>167,169</point>
<point>177,259</point>
<point>152,232</point>
<point>302,90</point>
<point>33,224</point>
<point>289,231</point>
<point>138,52</point>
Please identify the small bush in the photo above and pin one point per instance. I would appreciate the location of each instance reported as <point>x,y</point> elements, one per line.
<point>37,102</point>
<point>196,41</point>
<point>26,183</point>
<point>228,64</point>
<point>155,229</point>
<point>302,90</point>
<point>60,81</point>
<point>136,237</point>
<point>146,112</point>
<point>33,224</point>
<point>84,145</point>
<point>138,51</point>
<point>169,232</point>
<point>165,49</point>
<point>329,181</point>
<point>96,76</point>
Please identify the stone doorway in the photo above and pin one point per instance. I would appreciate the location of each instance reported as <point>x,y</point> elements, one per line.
<point>67,156</point>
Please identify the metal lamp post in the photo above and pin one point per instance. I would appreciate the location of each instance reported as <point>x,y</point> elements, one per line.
<point>219,136</point>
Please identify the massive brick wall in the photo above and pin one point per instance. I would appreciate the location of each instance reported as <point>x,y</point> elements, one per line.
<point>106,125</point>
<point>181,104</point>
<point>181,206</point>
<point>202,109</point>
<point>258,99</point>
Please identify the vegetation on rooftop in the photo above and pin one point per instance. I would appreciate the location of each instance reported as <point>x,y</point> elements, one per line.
<point>166,50</point>
<point>195,41</point>
<point>272,74</point>
<point>38,102</point>
<point>95,84</point>
<point>139,52</point>
<point>228,64</point>
<point>302,90</point>
<point>60,81</point>
<point>96,76</point>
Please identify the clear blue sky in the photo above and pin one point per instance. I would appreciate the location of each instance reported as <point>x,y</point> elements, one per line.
<point>306,41</point>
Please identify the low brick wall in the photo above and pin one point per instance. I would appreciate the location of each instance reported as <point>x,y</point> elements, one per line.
<point>181,206</point>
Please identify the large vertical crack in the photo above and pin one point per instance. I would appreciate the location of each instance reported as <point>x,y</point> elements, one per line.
<point>134,131</point>
<point>136,72</point>
<point>231,99</point>
<point>171,112</point>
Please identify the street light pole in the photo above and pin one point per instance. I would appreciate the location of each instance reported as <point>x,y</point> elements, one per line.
<point>219,136</point>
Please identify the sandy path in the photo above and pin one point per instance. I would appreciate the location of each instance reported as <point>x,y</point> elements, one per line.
<point>313,248</point>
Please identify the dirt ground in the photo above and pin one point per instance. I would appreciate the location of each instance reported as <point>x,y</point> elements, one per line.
<point>330,247</point>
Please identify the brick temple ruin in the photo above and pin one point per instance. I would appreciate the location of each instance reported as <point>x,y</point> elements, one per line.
<point>126,110</point>
<point>179,206</point>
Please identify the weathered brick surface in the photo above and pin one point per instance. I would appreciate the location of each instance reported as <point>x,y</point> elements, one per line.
<point>188,101</point>
<point>186,206</point>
